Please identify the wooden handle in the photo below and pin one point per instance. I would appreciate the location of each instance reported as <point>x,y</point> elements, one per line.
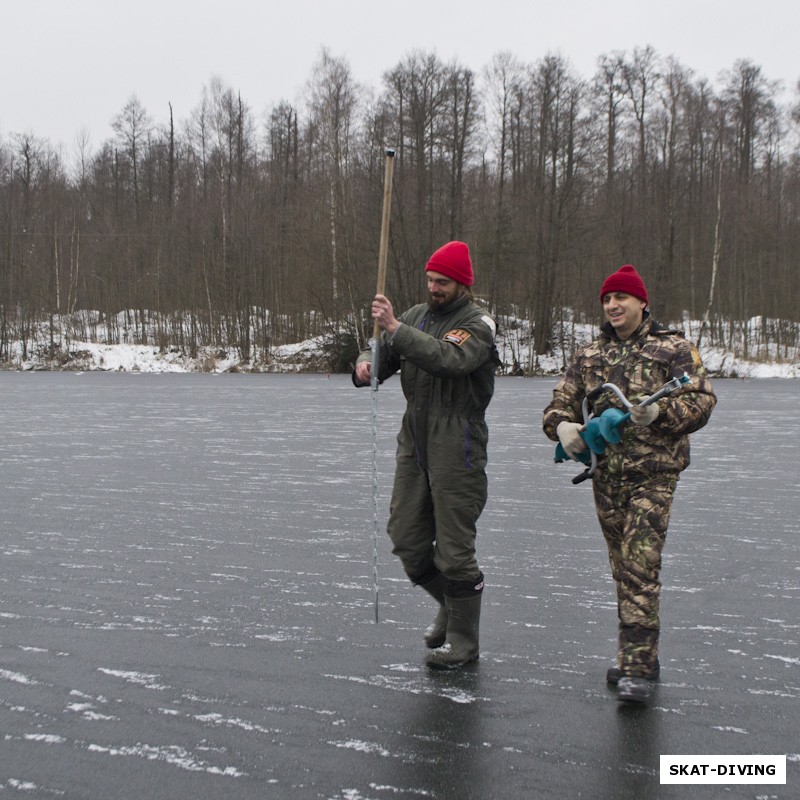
<point>384,245</point>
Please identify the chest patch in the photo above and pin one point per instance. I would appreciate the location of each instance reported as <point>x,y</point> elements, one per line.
<point>457,336</point>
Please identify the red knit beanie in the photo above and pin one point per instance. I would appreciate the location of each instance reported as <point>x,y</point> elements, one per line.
<point>452,260</point>
<point>625,279</point>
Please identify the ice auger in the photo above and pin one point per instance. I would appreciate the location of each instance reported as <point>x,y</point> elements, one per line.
<point>605,429</point>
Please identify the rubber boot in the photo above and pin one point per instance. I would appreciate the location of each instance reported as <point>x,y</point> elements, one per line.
<point>461,645</point>
<point>436,633</point>
<point>633,690</point>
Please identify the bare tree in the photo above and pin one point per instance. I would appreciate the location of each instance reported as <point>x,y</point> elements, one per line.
<point>748,96</point>
<point>226,231</point>
<point>608,85</point>
<point>641,75</point>
<point>132,126</point>
<point>503,79</point>
<point>333,101</point>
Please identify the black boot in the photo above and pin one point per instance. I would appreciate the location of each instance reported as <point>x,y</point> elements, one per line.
<point>463,623</point>
<point>436,633</point>
<point>613,674</point>
<point>633,690</point>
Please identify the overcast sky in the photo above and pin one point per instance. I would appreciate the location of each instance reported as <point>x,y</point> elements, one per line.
<point>67,65</point>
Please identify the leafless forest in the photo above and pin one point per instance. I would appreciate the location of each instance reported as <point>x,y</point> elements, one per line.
<point>228,226</point>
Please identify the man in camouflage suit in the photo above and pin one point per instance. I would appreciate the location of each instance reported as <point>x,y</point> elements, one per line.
<point>445,352</point>
<point>635,480</point>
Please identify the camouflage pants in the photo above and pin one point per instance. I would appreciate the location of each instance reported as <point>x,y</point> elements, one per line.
<point>634,516</point>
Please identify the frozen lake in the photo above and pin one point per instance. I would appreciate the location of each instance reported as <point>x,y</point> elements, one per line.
<point>186,601</point>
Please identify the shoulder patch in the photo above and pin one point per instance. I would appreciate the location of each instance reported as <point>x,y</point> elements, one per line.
<point>457,336</point>
<point>490,324</point>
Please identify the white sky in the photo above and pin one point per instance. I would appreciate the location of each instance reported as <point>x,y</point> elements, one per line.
<point>67,65</point>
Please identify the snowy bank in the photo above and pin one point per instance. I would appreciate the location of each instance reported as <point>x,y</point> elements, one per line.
<point>310,356</point>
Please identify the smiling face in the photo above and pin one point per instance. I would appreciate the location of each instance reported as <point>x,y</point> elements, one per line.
<point>624,311</point>
<point>441,289</point>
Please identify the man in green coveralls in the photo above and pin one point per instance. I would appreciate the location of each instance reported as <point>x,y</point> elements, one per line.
<point>635,480</point>
<point>446,355</point>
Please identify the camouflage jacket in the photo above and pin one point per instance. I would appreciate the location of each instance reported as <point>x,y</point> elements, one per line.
<point>638,366</point>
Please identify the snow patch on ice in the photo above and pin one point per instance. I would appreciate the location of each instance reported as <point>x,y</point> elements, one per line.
<point>459,696</point>
<point>402,667</point>
<point>363,747</point>
<point>785,659</point>
<point>397,790</point>
<point>729,729</point>
<point>399,684</point>
<point>44,738</point>
<point>87,712</point>
<point>21,786</point>
<point>275,637</point>
<point>94,716</point>
<point>16,677</point>
<point>771,693</point>
<point>139,678</point>
<point>218,719</point>
<point>173,755</point>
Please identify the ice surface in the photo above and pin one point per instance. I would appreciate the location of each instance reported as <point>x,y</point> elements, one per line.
<point>186,601</point>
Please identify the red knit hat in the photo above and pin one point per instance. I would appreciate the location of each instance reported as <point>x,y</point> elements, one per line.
<point>452,260</point>
<point>625,279</point>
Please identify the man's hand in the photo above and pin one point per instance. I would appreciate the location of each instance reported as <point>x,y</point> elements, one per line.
<point>644,415</point>
<point>569,434</point>
<point>363,372</point>
<point>383,314</point>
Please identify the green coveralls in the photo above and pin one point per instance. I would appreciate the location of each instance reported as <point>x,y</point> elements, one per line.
<point>447,361</point>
